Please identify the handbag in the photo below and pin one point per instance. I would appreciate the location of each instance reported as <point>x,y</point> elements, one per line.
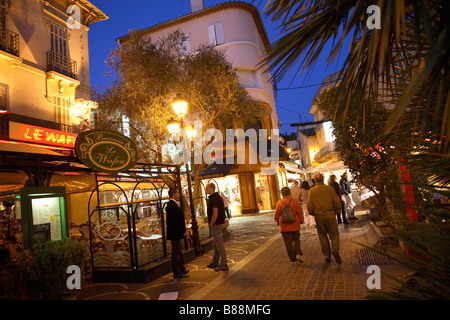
<point>287,216</point>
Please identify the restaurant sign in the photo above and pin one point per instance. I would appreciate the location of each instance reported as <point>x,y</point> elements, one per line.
<point>40,135</point>
<point>106,151</point>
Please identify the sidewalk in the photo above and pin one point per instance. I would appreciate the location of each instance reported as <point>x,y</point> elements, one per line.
<point>260,269</point>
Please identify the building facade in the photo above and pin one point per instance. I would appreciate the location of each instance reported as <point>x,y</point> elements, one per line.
<point>236,28</point>
<point>44,103</point>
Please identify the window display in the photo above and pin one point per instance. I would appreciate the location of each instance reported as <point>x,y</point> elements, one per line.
<point>229,186</point>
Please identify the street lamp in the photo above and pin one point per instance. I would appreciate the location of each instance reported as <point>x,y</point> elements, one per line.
<point>173,126</point>
<point>180,107</point>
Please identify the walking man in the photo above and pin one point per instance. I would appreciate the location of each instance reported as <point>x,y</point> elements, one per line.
<point>295,191</point>
<point>216,219</point>
<point>347,193</point>
<point>176,230</point>
<point>324,204</point>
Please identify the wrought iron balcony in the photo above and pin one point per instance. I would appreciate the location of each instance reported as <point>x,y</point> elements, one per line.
<point>61,64</point>
<point>9,41</point>
<point>7,117</point>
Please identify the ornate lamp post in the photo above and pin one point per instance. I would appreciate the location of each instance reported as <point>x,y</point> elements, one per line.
<point>180,107</point>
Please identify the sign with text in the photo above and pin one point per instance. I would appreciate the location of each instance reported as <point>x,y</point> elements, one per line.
<point>106,151</point>
<point>40,135</point>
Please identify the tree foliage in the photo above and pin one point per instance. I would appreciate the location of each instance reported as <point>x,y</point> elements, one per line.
<point>149,73</point>
<point>405,66</point>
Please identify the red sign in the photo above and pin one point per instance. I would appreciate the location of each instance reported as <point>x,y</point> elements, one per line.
<point>26,132</point>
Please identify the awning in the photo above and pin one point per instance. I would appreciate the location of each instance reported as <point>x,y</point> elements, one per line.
<point>215,170</point>
<point>21,147</point>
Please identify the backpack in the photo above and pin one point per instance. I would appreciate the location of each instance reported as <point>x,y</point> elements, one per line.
<point>287,216</point>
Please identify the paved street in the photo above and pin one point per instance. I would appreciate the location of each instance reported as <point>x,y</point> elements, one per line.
<point>260,269</point>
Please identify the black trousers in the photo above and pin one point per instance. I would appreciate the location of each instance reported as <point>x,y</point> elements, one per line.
<point>177,258</point>
<point>343,213</point>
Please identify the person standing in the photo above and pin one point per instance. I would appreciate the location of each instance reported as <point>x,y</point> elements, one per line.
<point>347,193</point>
<point>309,219</point>
<point>295,191</point>
<point>225,204</point>
<point>337,188</point>
<point>290,231</point>
<point>176,230</point>
<point>323,203</point>
<point>216,219</point>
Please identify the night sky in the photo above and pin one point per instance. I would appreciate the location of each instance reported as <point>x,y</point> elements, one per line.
<point>130,14</point>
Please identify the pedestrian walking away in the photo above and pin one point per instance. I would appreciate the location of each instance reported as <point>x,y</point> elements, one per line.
<point>295,191</point>
<point>176,231</point>
<point>216,219</point>
<point>309,219</point>
<point>290,230</point>
<point>324,203</point>
<point>347,193</point>
<point>337,188</point>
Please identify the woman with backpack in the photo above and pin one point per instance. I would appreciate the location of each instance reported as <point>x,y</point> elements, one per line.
<point>289,216</point>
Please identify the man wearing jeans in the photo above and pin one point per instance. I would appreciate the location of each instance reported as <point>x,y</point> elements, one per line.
<point>347,193</point>
<point>216,219</point>
<point>324,204</point>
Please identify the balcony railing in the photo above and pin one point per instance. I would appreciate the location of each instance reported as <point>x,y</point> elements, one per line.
<point>6,118</point>
<point>61,64</point>
<point>9,41</point>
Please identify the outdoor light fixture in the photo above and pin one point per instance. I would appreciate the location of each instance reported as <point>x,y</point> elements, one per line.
<point>173,126</point>
<point>179,106</point>
<point>190,131</point>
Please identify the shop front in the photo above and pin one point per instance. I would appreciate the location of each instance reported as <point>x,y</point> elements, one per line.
<point>47,194</point>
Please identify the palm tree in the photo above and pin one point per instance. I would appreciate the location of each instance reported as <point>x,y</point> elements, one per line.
<point>404,64</point>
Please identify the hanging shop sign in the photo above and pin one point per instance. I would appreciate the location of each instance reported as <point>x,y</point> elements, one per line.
<point>40,135</point>
<point>106,151</point>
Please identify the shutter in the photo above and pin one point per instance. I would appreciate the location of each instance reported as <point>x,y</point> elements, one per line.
<point>212,35</point>
<point>220,36</point>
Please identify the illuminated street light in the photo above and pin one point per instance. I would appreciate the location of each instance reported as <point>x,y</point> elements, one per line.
<point>180,107</point>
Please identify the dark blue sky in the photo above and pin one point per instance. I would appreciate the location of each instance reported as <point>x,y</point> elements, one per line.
<point>129,14</point>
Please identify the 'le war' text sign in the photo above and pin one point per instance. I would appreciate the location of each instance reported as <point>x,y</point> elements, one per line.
<point>106,151</point>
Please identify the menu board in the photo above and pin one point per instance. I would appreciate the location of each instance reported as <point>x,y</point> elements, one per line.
<point>46,212</point>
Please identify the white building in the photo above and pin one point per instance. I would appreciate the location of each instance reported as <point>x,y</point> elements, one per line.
<point>236,28</point>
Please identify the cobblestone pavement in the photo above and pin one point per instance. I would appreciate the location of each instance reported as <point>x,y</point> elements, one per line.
<point>260,269</point>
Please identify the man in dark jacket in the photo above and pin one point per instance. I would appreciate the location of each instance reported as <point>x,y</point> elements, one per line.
<point>347,193</point>
<point>337,188</point>
<point>176,230</point>
<point>216,219</point>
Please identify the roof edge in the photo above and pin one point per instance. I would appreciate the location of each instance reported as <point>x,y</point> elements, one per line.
<point>206,11</point>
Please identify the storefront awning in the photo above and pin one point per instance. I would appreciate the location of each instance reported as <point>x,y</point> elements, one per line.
<point>215,170</point>
<point>21,147</point>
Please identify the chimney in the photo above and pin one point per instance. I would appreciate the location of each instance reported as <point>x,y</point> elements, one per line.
<point>197,5</point>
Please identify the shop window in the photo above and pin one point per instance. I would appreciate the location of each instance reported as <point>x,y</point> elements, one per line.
<point>3,98</point>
